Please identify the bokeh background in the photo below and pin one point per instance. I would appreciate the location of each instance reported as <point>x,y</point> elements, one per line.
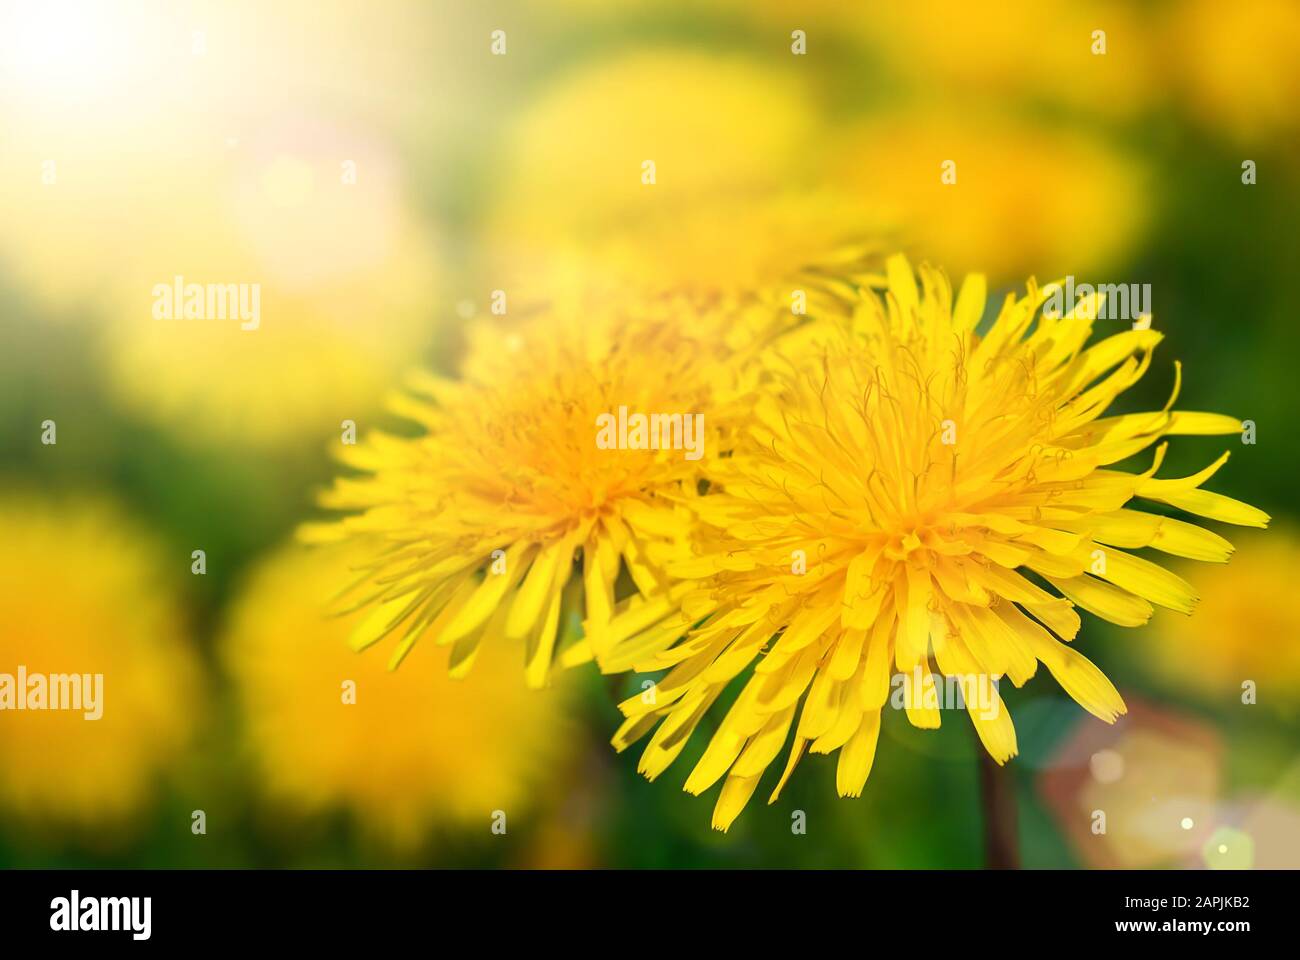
<point>379,170</point>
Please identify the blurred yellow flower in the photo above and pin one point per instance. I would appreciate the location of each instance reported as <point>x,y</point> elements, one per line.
<point>127,119</point>
<point>1242,630</point>
<point>1094,56</point>
<point>134,156</point>
<point>1238,64</point>
<point>705,122</point>
<point>881,515</point>
<point>414,749</point>
<point>345,280</point>
<point>532,464</point>
<point>84,592</point>
<point>720,249</point>
<point>345,285</point>
<point>671,169</point>
<point>1023,199</point>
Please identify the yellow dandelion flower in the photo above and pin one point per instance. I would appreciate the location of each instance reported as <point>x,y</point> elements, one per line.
<point>541,478</point>
<point>80,598</point>
<point>923,497</point>
<point>1244,607</point>
<point>401,751</point>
